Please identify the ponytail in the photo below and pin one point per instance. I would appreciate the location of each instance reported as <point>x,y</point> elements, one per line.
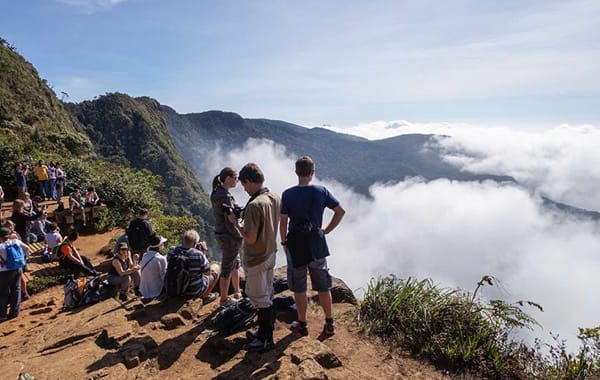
<point>216,182</point>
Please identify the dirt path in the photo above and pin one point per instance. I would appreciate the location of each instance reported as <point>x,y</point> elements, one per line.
<point>174,339</point>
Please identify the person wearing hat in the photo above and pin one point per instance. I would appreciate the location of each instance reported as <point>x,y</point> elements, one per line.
<point>153,268</point>
<point>10,279</point>
<point>122,271</point>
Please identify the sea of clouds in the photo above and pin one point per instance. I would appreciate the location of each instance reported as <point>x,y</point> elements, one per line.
<point>456,232</point>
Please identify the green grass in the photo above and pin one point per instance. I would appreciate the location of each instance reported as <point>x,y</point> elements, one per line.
<point>458,332</point>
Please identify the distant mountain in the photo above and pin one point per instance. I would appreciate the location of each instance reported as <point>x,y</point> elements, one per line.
<point>133,132</point>
<point>353,161</point>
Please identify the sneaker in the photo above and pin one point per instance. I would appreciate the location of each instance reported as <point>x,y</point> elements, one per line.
<point>237,295</point>
<point>24,297</point>
<point>328,329</point>
<point>297,328</point>
<point>209,298</point>
<point>123,297</point>
<point>258,345</point>
<point>228,302</point>
<point>137,292</point>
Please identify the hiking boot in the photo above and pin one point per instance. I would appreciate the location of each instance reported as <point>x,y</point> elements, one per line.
<point>298,328</point>
<point>328,329</point>
<point>123,297</point>
<point>258,345</point>
<point>137,292</point>
<point>251,335</point>
<point>24,297</point>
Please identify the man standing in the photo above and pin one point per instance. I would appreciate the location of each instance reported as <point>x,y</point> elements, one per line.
<point>261,217</point>
<point>41,174</point>
<point>21,176</point>
<point>303,206</point>
<point>138,232</point>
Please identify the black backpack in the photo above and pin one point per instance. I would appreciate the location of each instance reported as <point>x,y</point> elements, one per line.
<point>137,234</point>
<point>235,317</point>
<point>177,277</point>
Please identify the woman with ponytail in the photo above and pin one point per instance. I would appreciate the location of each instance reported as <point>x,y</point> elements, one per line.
<point>227,236</point>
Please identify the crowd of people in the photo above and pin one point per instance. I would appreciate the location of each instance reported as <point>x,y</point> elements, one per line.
<point>139,264</point>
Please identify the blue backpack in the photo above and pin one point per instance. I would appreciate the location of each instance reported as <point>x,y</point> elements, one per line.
<point>15,257</point>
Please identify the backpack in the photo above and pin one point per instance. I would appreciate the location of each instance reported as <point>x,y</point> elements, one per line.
<point>96,290</point>
<point>15,257</point>
<point>234,317</point>
<point>56,252</point>
<point>137,234</point>
<point>72,295</point>
<point>177,277</point>
<point>81,292</point>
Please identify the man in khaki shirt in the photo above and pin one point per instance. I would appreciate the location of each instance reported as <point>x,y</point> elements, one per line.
<point>259,230</point>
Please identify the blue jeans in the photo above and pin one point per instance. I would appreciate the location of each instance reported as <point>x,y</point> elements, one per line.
<point>43,187</point>
<point>52,188</point>
<point>10,292</point>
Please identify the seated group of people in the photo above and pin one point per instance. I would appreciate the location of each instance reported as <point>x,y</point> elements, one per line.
<point>147,273</point>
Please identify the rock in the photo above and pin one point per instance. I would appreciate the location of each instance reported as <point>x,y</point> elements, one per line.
<point>340,292</point>
<point>306,349</point>
<point>188,312</point>
<point>172,321</point>
<point>41,311</point>
<point>132,354</point>
<point>105,341</point>
<point>311,370</point>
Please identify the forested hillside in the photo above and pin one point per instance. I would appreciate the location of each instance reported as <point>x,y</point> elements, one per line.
<point>116,143</point>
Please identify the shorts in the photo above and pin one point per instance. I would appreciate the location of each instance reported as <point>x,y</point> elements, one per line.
<point>319,276</point>
<point>230,248</point>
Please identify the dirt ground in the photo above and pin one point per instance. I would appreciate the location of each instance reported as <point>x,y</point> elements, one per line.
<point>174,339</point>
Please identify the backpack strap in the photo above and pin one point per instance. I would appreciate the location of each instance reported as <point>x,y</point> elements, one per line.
<point>145,265</point>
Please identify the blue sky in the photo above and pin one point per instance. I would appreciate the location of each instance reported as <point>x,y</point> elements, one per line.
<point>338,63</point>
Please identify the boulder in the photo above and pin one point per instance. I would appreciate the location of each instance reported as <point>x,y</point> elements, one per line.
<point>172,321</point>
<point>307,349</point>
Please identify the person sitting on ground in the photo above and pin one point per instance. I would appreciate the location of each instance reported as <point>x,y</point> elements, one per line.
<point>76,201</point>
<point>10,279</point>
<point>120,239</point>
<point>203,275</point>
<point>122,271</point>
<point>71,259</point>
<point>91,197</point>
<point>29,207</point>
<point>153,268</point>
<point>53,237</point>
<point>41,226</point>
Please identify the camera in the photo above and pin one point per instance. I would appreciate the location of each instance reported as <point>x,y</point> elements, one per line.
<point>235,209</point>
<point>305,228</point>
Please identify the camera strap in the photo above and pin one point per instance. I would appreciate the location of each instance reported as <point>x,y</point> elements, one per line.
<point>255,195</point>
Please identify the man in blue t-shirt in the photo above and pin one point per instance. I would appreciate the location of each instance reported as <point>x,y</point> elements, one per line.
<point>302,209</point>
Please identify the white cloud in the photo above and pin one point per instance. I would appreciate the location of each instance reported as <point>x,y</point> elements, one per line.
<point>454,232</point>
<point>91,6</point>
<point>560,163</point>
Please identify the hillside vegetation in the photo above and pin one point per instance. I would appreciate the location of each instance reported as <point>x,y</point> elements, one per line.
<point>116,143</point>
<point>132,132</point>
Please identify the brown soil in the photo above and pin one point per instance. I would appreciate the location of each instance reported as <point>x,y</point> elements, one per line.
<point>174,340</point>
